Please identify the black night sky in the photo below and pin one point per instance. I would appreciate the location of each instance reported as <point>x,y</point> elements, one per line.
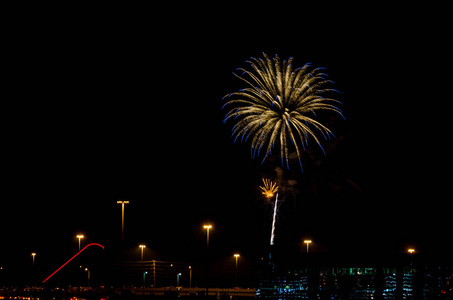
<point>107,104</point>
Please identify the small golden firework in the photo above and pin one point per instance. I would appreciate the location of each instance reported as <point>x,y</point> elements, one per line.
<point>269,187</point>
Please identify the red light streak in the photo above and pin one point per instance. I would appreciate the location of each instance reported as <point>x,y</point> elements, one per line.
<point>92,244</point>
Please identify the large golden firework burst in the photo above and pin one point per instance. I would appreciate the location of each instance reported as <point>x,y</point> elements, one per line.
<point>279,106</point>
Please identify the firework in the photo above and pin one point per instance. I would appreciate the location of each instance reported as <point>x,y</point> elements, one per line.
<point>279,106</point>
<point>269,188</point>
<point>273,220</point>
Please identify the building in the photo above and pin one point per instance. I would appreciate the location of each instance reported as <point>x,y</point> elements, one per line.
<point>326,278</point>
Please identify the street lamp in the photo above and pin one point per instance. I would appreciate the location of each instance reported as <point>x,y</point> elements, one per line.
<point>177,279</point>
<point>86,269</point>
<point>144,273</point>
<point>142,247</point>
<point>122,217</point>
<point>236,255</point>
<point>308,242</point>
<point>33,257</point>
<point>207,227</point>
<point>411,250</point>
<point>190,276</point>
<point>80,236</point>
<point>141,258</point>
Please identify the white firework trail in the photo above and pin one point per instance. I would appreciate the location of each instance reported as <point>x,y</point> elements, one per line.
<point>273,220</point>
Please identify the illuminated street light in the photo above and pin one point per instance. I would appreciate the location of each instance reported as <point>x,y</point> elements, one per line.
<point>86,269</point>
<point>177,279</point>
<point>190,276</point>
<point>411,250</point>
<point>33,255</point>
<point>144,274</point>
<point>236,255</point>
<point>207,227</point>
<point>308,242</point>
<point>122,217</point>
<point>80,236</point>
<point>141,248</point>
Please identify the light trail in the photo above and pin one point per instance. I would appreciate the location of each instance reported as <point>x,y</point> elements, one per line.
<point>92,244</point>
<point>273,220</point>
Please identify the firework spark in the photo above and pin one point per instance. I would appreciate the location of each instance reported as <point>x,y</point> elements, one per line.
<point>269,188</point>
<point>273,220</point>
<point>278,106</point>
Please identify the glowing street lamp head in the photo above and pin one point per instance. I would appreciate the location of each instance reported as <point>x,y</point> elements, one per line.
<point>411,250</point>
<point>307,242</point>
<point>236,255</point>
<point>269,188</point>
<point>142,246</point>
<point>33,254</point>
<point>80,236</point>
<point>122,202</point>
<point>207,226</point>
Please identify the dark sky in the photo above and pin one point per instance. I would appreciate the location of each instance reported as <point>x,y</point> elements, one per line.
<point>107,104</point>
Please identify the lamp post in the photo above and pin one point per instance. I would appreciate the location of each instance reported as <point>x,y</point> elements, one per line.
<point>190,276</point>
<point>177,279</point>
<point>144,273</point>
<point>411,250</point>
<point>141,259</point>
<point>141,248</point>
<point>236,255</point>
<point>86,269</point>
<point>33,257</point>
<point>207,227</point>
<point>122,243</point>
<point>80,236</point>
<point>122,217</point>
<point>308,242</point>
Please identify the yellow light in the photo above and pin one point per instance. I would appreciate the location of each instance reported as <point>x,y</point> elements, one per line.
<point>308,242</point>
<point>207,226</point>
<point>269,194</point>
<point>269,188</point>
<point>80,236</point>
<point>122,202</point>
<point>33,254</point>
<point>142,246</point>
<point>411,250</point>
<point>236,255</point>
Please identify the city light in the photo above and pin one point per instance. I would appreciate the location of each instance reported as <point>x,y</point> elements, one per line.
<point>207,227</point>
<point>236,256</point>
<point>122,217</point>
<point>80,236</point>
<point>308,242</point>
<point>141,248</point>
<point>411,250</point>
